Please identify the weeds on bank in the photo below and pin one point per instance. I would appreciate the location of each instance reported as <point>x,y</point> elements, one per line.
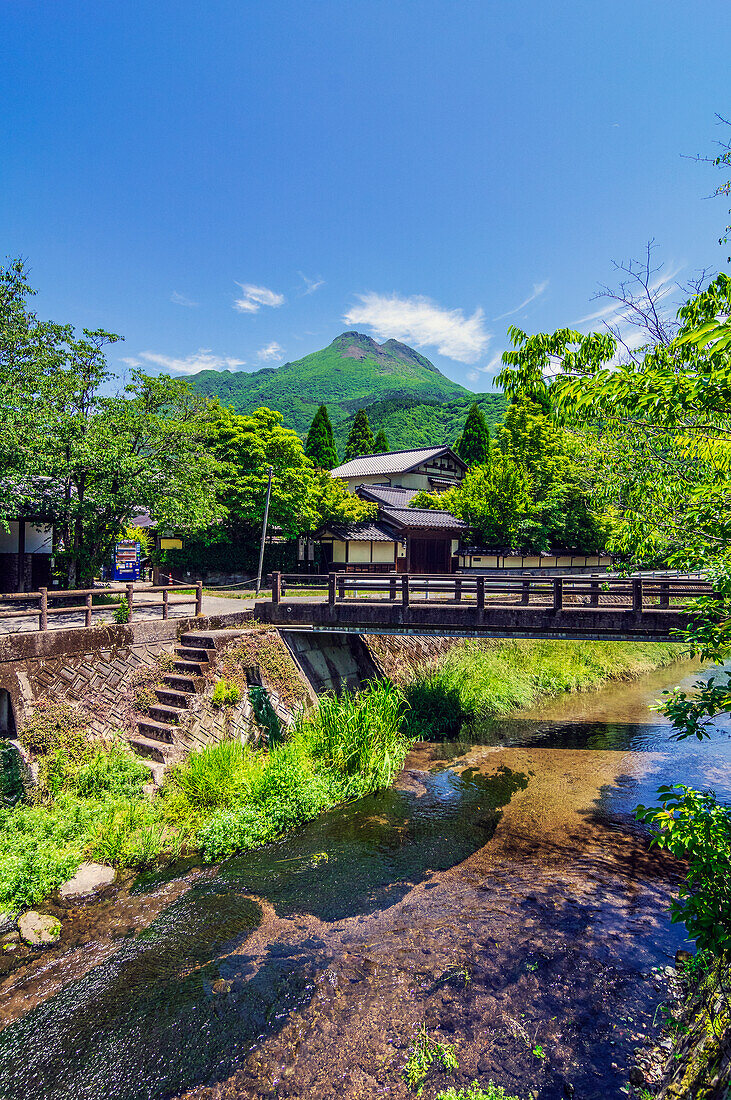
<point>425,1054</point>
<point>91,803</point>
<point>481,680</point>
<point>476,1092</point>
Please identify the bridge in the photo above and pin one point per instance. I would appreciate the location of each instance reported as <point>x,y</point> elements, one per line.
<point>600,608</point>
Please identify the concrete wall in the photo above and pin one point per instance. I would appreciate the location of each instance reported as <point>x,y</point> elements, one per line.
<point>89,665</point>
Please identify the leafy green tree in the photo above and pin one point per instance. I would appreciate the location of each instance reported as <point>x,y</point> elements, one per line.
<point>320,445</point>
<point>360,439</point>
<point>90,461</point>
<point>334,504</point>
<point>474,443</point>
<point>381,444</point>
<point>494,500</point>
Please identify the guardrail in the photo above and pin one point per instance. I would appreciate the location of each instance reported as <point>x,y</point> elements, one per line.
<point>635,593</point>
<point>42,602</point>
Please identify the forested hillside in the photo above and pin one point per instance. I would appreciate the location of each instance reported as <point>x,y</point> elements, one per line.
<point>351,372</point>
<point>409,422</point>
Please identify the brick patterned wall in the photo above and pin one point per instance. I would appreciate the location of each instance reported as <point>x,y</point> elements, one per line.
<point>399,657</point>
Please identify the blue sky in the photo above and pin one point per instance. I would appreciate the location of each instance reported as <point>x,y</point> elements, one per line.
<point>237,182</point>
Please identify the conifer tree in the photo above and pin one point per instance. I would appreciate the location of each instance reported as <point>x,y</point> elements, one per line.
<point>320,445</point>
<point>381,443</point>
<point>360,440</point>
<point>473,446</point>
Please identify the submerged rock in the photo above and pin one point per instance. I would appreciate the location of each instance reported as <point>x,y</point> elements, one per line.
<point>89,878</point>
<point>38,929</point>
<point>7,923</point>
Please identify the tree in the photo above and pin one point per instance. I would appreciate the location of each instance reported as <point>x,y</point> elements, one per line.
<point>95,460</point>
<point>474,443</point>
<point>320,445</point>
<point>360,439</point>
<point>381,444</point>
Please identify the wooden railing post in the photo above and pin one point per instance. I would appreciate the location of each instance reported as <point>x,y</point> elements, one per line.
<point>637,594</point>
<point>458,589</point>
<point>199,598</point>
<point>558,593</point>
<point>480,593</point>
<point>130,592</point>
<point>87,614</point>
<point>594,594</point>
<point>525,591</point>
<point>276,587</point>
<point>341,589</point>
<point>664,594</point>
<point>165,597</point>
<point>43,614</point>
<point>392,589</point>
<point>405,590</point>
<point>331,592</point>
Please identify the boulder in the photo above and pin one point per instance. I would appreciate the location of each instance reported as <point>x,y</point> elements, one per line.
<point>89,878</point>
<point>38,929</point>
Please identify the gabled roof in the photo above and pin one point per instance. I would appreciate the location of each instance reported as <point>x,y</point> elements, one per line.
<point>366,531</point>
<point>421,517</point>
<point>393,462</point>
<point>389,495</point>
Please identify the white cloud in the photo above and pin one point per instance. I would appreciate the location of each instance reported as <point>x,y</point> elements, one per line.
<point>181,300</point>
<point>254,297</point>
<point>421,322</point>
<point>270,351</point>
<point>538,289</point>
<point>203,359</point>
<point>311,285</point>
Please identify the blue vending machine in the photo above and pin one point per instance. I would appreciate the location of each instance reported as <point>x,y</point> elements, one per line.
<point>126,561</point>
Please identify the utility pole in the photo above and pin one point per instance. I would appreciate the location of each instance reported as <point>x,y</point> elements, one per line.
<point>264,532</point>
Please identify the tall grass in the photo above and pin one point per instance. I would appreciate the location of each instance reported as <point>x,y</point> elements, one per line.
<point>481,680</point>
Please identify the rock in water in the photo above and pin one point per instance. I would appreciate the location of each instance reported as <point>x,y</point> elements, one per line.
<point>682,958</point>
<point>38,928</point>
<point>7,923</point>
<point>89,878</point>
<point>636,1077</point>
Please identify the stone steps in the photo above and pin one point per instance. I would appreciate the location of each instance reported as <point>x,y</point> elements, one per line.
<point>190,668</point>
<point>168,697</point>
<point>156,731</point>
<point>153,750</point>
<point>168,715</point>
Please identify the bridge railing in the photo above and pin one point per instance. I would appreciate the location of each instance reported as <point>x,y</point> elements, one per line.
<point>557,592</point>
<point>46,604</point>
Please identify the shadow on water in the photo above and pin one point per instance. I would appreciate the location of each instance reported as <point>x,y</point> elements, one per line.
<point>146,1023</point>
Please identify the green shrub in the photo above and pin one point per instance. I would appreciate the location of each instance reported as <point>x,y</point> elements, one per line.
<point>111,771</point>
<point>54,726</point>
<point>476,1092</point>
<point>234,830</point>
<point>131,834</point>
<point>426,1053</point>
<point>122,612</point>
<point>225,694</point>
<point>217,775</point>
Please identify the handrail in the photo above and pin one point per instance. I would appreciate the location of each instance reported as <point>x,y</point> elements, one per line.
<point>557,592</point>
<point>44,598</point>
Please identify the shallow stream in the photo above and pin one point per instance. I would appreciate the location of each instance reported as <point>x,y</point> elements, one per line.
<point>501,894</point>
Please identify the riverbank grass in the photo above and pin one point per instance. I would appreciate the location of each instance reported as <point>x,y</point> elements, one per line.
<point>483,680</point>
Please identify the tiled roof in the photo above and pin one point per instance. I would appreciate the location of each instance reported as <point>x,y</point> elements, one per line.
<point>422,517</point>
<point>390,462</point>
<point>360,532</point>
<point>389,495</point>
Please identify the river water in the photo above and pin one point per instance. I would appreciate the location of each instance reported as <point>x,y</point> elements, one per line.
<point>501,894</point>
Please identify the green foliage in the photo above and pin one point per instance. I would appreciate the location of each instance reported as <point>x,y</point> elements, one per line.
<point>381,444</point>
<point>411,422</point>
<point>360,438</point>
<point>425,1054</point>
<point>320,446</point>
<point>334,504</point>
<point>696,828</point>
<point>484,679</point>
<point>476,1092</point>
<point>347,374</point>
<point>474,443</point>
<point>122,612</point>
<point>216,775</point>
<point>53,726</point>
<point>225,693</point>
<point>96,458</point>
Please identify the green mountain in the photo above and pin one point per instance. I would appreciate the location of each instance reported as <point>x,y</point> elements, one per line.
<point>352,372</point>
<point>409,422</point>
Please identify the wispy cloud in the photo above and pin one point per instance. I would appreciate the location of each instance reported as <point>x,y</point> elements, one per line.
<point>269,352</point>
<point>420,321</point>
<point>254,297</point>
<point>538,289</point>
<point>181,300</point>
<point>203,359</point>
<point>311,285</point>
